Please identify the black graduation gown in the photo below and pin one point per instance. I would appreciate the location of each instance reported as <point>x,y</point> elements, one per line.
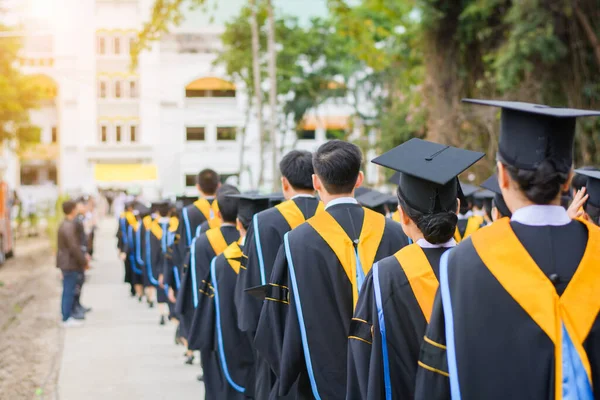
<point>467,226</point>
<point>157,239</point>
<point>404,323</point>
<point>191,217</point>
<point>326,303</point>
<point>219,332</point>
<point>204,253</point>
<point>122,246</point>
<point>272,225</point>
<point>501,351</point>
<point>133,253</point>
<point>141,254</point>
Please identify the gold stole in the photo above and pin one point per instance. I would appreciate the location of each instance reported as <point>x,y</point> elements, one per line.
<point>233,254</point>
<point>517,272</point>
<point>420,276</point>
<point>217,240</point>
<point>343,247</point>
<point>473,225</point>
<point>292,213</point>
<point>131,220</point>
<point>205,208</point>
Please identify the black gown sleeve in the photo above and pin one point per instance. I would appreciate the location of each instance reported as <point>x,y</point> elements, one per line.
<point>432,373</point>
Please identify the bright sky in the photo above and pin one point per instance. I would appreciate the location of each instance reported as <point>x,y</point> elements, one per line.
<point>225,10</point>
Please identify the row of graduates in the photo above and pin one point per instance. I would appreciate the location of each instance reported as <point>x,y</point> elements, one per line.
<point>328,299</point>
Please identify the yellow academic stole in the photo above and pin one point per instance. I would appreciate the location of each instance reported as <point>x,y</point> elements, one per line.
<point>343,247</point>
<point>217,240</point>
<point>210,211</point>
<point>233,255</point>
<point>420,276</point>
<point>473,225</point>
<point>131,220</point>
<point>577,308</point>
<point>292,213</point>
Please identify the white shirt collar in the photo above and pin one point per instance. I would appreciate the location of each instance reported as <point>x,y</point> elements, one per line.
<point>424,244</point>
<point>538,215</point>
<point>341,200</point>
<point>243,241</point>
<point>164,220</point>
<point>467,215</point>
<point>310,196</point>
<point>228,224</point>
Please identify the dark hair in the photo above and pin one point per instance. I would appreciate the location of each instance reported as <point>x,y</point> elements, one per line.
<point>163,209</point>
<point>540,186</point>
<point>228,206</point>
<point>436,228</point>
<point>296,166</point>
<point>337,164</point>
<point>68,206</point>
<point>208,180</point>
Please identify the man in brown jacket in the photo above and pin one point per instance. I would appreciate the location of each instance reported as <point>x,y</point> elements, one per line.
<point>70,259</point>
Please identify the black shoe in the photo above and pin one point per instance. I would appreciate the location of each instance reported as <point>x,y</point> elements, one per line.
<point>162,320</point>
<point>151,304</point>
<point>200,378</point>
<point>190,360</point>
<point>86,309</point>
<point>140,299</point>
<point>78,315</point>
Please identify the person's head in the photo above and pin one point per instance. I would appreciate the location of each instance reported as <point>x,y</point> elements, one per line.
<point>337,169</point>
<point>437,227</point>
<point>228,206</point>
<point>543,185</point>
<point>81,205</point>
<point>208,182</point>
<point>163,209</point>
<point>69,208</point>
<point>296,173</point>
<point>248,206</point>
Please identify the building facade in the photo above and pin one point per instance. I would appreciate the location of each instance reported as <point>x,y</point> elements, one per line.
<point>107,125</point>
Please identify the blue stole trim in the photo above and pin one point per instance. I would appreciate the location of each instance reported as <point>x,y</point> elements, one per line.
<point>261,261</point>
<point>188,229</point>
<point>138,246</point>
<point>176,275</point>
<point>575,382</point>
<point>149,260</point>
<point>381,318</point>
<point>193,272</point>
<point>307,357</point>
<point>132,251</point>
<point>360,274</point>
<point>199,230</point>
<point>222,358</point>
<point>449,321</point>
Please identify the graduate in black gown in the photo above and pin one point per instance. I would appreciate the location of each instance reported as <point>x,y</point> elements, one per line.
<point>586,200</point>
<point>150,282</point>
<point>203,209</point>
<point>499,207</point>
<point>396,300</point>
<point>219,331</point>
<point>468,220</point>
<point>265,236</point>
<point>316,279</point>
<point>123,243</point>
<point>517,312</point>
<point>205,248</point>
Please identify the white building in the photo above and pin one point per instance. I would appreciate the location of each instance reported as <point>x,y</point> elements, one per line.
<point>106,125</point>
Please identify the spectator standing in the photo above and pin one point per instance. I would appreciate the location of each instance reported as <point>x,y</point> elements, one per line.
<point>70,259</point>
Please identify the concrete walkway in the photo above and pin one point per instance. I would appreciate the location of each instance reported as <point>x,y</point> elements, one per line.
<point>122,352</point>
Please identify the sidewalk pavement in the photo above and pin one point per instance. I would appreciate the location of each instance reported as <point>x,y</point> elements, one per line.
<point>122,352</point>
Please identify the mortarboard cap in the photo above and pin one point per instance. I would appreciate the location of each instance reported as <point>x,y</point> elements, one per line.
<point>592,186</point>
<point>533,133</point>
<point>250,204</point>
<point>361,190</point>
<point>186,200</point>
<point>394,179</point>
<point>468,190</point>
<point>260,292</point>
<point>428,180</point>
<point>373,200</point>
<point>275,198</point>
<point>492,185</point>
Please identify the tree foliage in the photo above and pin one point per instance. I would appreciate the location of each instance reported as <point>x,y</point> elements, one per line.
<point>18,96</point>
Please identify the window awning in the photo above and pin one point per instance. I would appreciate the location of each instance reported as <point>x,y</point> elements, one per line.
<point>210,83</point>
<point>125,172</point>
<point>312,122</point>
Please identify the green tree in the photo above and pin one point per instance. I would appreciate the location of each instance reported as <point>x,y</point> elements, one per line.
<point>18,96</point>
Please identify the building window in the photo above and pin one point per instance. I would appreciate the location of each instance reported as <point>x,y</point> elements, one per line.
<point>133,137</point>
<point>197,93</point>
<point>54,137</point>
<point>131,43</point>
<point>190,180</point>
<point>117,45</point>
<point>118,89</point>
<point>226,133</point>
<point>101,45</point>
<point>306,134</point>
<point>331,134</point>
<point>102,90</point>
<point>118,137</point>
<point>194,133</point>
<point>103,134</point>
<point>133,89</point>
<point>223,93</point>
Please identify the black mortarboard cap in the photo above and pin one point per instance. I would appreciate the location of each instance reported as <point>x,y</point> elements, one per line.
<point>468,190</point>
<point>361,190</point>
<point>250,204</point>
<point>492,185</point>
<point>186,200</point>
<point>392,200</point>
<point>428,180</point>
<point>592,186</point>
<point>394,179</point>
<point>373,200</point>
<point>533,133</point>
<point>260,292</point>
<point>276,198</point>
